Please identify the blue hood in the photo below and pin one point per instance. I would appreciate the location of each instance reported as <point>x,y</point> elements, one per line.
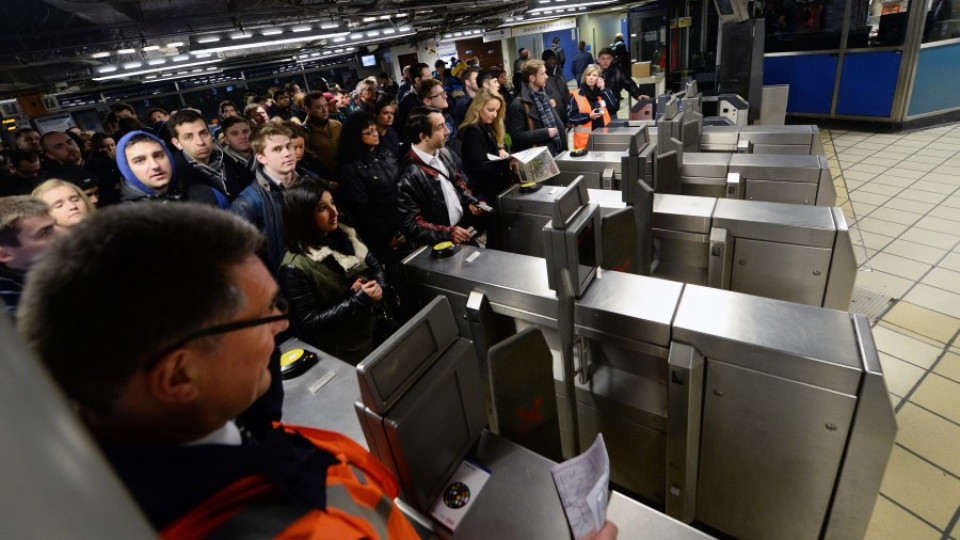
<point>128,175</point>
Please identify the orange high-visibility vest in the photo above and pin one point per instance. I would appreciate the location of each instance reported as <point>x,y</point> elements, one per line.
<point>360,493</point>
<point>581,136</point>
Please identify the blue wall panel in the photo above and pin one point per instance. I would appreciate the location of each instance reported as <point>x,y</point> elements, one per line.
<point>810,78</point>
<point>867,83</point>
<point>937,84</point>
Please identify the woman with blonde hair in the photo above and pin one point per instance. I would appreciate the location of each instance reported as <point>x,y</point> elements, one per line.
<point>67,203</point>
<point>482,133</point>
<point>590,105</point>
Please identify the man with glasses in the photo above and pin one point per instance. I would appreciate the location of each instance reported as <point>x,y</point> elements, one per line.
<point>179,380</point>
<point>432,94</point>
<point>435,203</point>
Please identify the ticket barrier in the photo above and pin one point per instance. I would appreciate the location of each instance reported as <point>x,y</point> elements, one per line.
<point>760,418</point>
<point>787,178</point>
<point>788,252</point>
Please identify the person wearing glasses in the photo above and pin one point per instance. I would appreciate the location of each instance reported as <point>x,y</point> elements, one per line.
<point>178,381</point>
<point>368,190</point>
<point>432,94</point>
<point>332,280</point>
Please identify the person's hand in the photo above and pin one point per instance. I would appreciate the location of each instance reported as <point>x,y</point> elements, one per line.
<point>553,132</point>
<point>394,242</point>
<point>608,532</point>
<point>600,83</point>
<point>503,153</point>
<point>553,103</point>
<point>594,114</point>
<point>357,284</point>
<point>459,235</point>
<point>373,290</point>
<point>475,210</point>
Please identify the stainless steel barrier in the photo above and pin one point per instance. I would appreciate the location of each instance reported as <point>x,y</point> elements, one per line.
<point>789,252</point>
<point>761,418</point>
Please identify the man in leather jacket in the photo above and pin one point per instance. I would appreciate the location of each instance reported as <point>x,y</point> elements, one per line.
<point>435,203</point>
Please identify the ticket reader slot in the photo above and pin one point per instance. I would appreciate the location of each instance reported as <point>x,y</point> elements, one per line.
<point>424,376</point>
<point>572,238</point>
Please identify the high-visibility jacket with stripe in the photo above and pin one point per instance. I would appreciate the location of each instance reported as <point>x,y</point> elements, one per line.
<point>360,493</point>
<point>581,133</point>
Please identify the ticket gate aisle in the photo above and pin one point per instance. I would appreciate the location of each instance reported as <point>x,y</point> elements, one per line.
<point>796,179</point>
<point>760,418</point>
<point>519,501</point>
<point>788,252</point>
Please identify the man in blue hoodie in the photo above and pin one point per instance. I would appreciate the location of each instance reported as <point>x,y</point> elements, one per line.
<point>148,173</point>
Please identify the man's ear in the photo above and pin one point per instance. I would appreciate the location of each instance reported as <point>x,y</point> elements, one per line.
<point>261,159</point>
<point>174,378</point>
<point>176,143</point>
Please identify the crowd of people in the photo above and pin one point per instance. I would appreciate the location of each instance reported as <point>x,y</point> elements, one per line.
<point>332,190</point>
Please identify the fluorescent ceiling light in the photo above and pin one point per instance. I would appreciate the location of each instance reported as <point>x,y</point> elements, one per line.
<point>132,65</point>
<point>208,39</point>
<point>171,76</point>
<point>326,26</point>
<point>107,69</point>
<point>152,48</point>
<point>538,11</point>
<point>100,55</point>
<point>268,43</point>
<point>126,51</point>
<point>157,61</point>
<point>308,28</point>
<point>181,57</point>
<point>240,36</point>
<point>174,44</point>
<point>272,32</point>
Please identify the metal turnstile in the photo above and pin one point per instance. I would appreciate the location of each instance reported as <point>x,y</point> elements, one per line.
<point>789,252</point>
<point>761,418</point>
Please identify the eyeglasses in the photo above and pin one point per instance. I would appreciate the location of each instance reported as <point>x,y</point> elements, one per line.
<point>278,304</point>
<point>441,94</point>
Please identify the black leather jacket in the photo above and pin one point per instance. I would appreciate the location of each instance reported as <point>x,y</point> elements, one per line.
<point>423,211</point>
<point>616,82</point>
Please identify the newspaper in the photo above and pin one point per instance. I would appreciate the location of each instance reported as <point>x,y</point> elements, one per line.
<point>532,165</point>
<point>582,484</point>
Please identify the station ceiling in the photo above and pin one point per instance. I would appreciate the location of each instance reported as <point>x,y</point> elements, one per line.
<point>73,45</point>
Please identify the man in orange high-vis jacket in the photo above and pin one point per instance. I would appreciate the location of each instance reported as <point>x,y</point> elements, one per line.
<point>159,323</point>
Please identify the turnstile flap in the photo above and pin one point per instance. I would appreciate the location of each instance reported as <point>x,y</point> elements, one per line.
<point>793,134</point>
<point>779,167</point>
<point>798,342</point>
<point>632,307</point>
<point>717,137</point>
<point>776,222</point>
<point>683,213</point>
<point>705,165</point>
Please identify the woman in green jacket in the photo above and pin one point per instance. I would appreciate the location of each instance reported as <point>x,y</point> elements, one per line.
<point>332,282</point>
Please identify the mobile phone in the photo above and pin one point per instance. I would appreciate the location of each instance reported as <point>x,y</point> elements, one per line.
<point>598,110</point>
<point>485,207</point>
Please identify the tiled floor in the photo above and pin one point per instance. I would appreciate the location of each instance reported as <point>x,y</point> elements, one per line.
<point>904,212</point>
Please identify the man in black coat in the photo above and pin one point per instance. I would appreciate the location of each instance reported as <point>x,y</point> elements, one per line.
<point>526,124</point>
<point>615,79</point>
<point>201,161</point>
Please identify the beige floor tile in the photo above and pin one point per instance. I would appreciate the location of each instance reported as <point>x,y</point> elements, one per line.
<point>896,155</point>
<point>930,436</point>
<point>864,166</point>
<point>950,178</point>
<point>915,207</point>
<point>923,196</point>
<point>879,226</point>
<point>905,347</point>
<point>886,161</point>
<point>946,212</point>
<point>855,174</point>
<point>882,282</point>
<point>914,143</point>
<point>931,324</point>
<point>919,486</point>
<point>936,299</point>
<point>936,152</point>
<point>866,145</point>
<point>915,251</point>
<point>862,255</point>
<point>899,266</point>
<point>890,522</point>
<point>925,159</point>
<point>852,151</point>
<point>880,188</point>
<point>855,211</point>
<point>952,201</point>
<point>950,262</point>
<point>940,395</point>
<point>904,172</point>
<point>941,145</point>
<point>890,180</point>
<point>896,216</point>
<point>931,238</point>
<point>949,366</point>
<point>942,278</point>
<point>866,197</point>
<point>899,376</point>
<point>885,138</point>
<point>916,165</point>
<point>938,224</point>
